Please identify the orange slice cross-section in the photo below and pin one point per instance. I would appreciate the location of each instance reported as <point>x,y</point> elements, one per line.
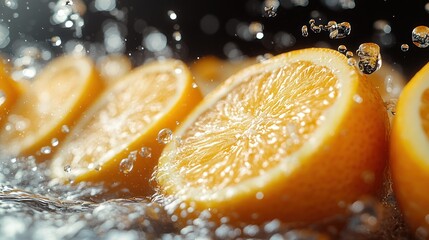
<point>119,139</point>
<point>295,138</point>
<point>53,102</point>
<point>410,153</point>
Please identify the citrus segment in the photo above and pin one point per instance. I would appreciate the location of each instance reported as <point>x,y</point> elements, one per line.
<point>54,100</point>
<point>116,142</point>
<point>9,92</point>
<point>410,152</point>
<point>296,137</point>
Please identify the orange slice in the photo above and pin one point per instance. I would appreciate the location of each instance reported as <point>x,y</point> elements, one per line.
<point>410,152</point>
<point>210,71</point>
<point>119,139</point>
<point>53,102</point>
<point>9,92</point>
<point>296,137</point>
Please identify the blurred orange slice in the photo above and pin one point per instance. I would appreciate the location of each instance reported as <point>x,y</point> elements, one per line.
<point>52,104</point>
<point>296,137</point>
<point>410,153</point>
<point>113,67</point>
<point>210,71</point>
<point>9,92</point>
<point>119,139</point>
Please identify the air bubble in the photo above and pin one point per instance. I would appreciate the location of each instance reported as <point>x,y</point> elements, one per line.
<point>165,136</point>
<point>405,47</point>
<point>420,36</point>
<point>369,57</point>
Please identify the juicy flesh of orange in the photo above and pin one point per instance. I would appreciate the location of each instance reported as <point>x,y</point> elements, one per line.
<point>424,111</point>
<point>249,131</point>
<point>118,123</point>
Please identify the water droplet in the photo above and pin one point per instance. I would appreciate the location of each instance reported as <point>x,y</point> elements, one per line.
<point>172,15</point>
<point>2,97</point>
<point>12,4</point>
<point>405,47</point>
<point>132,156</point>
<point>369,57</point>
<point>304,31</point>
<point>126,166</point>
<point>366,214</point>
<point>46,150</point>
<point>65,129</point>
<point>270,8</point>
<point>54,142</point>
<point>194,85</point>
<point>165,136</point>
<point>342,49</point>
<point>177,36</point>
<point>420,36</point>
<point>256,30</point>
<point>315,28</point>
<point>67,168</point>
<point>97,167</point>
<point>357,98</point>
<point>349,54</point>
<point>145,152</point>
<point>391,106</point>
<point>259,195</point>
<point>338,31</point>
<point>351,61</point>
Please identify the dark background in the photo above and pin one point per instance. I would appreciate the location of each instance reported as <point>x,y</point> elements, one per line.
<point>33,25</point>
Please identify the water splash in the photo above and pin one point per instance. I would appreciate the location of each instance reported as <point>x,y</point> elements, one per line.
<point>369,57</point>
<point>68,14</point>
